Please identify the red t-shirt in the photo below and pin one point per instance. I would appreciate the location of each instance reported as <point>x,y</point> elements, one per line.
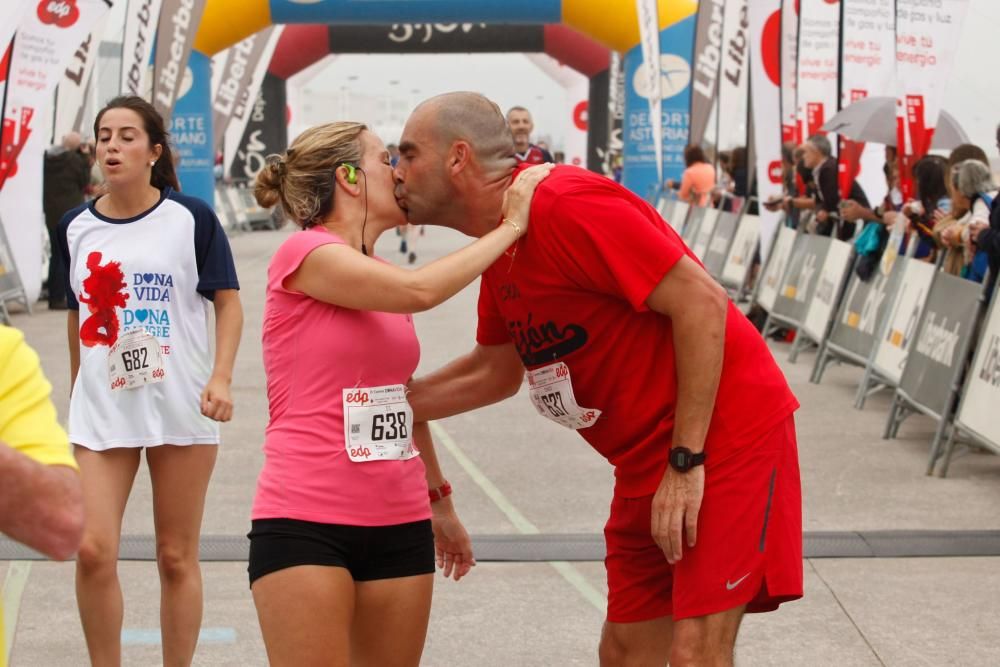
<point>534,155</point>
<point>575,292</point>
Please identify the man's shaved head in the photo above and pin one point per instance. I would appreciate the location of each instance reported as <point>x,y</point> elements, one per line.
<point>471,117</point>
<point>456,159</point>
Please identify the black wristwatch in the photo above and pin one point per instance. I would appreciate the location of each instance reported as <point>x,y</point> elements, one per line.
<point>683,459</point>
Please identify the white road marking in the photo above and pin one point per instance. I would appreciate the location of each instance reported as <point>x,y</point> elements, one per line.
<point>523,525</point>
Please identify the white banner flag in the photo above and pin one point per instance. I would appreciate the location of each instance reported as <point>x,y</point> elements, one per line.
<point>789,71</point>
<point>46,39</point>
<point>708,46</point>
<point>141,22</point>
<point>765,76</point>
<point>76,80</point>
<point>236,95</point>
<point>10,18</point>
<point>179,20</point>
<point>735,76</point>
<point>649,32</point>
<point>926,42</point>
<point>868,67</point>
<point>819,64</point>
<point>8,24</point>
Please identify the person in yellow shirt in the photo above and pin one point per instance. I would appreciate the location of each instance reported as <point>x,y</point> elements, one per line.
<point>41,501</point>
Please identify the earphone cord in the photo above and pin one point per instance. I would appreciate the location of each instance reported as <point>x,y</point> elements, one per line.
<point>364,248</point>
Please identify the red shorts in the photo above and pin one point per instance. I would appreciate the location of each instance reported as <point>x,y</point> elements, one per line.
<point>749,549</point>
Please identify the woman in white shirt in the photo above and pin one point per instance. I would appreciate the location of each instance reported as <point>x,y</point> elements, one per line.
<point>145,262</point>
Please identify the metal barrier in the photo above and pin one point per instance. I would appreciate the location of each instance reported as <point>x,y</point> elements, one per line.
<point>898,333</point>
<point>239,213</point>
<point>224,210</point>
<point>859,324</point>
<point>717,250</point>
<point>976,414</point>
<point>936,361</point>
<point>692,225</point>
<point>11,287</point>
<point>709,219</point>
<point>826,297</point>
<point>735,275</point>
<point>257,217</point>
<point>238,210</point>
<point>665,207</point>
<point>769,284</point>
<point>681,211</point>
<point>673,211</point>
<point>798,285</point>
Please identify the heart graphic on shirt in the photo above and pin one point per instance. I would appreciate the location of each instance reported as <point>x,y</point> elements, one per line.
<point>147,277</point>
<point>141,315</point>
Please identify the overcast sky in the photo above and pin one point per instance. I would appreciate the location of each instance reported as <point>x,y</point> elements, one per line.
<point>507,79</point>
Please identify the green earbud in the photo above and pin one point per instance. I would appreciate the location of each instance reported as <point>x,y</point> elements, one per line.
<point>352,175</point>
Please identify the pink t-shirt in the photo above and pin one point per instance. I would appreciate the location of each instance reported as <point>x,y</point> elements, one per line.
<point>312,351</point>
<point>698,179</point>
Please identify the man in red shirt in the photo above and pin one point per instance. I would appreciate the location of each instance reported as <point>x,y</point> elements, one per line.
<point>521,126</point>
<point>628,340</point>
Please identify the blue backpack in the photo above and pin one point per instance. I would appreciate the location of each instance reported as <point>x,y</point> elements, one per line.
<point>869,241</point>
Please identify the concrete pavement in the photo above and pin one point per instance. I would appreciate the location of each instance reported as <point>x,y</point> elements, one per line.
<point>515,473</point>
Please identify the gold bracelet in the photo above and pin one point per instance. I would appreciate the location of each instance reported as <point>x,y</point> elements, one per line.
<point>517,227</point>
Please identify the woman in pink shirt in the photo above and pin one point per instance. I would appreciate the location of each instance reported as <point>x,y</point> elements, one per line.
<point>698,178</point>
<point>342,547</point>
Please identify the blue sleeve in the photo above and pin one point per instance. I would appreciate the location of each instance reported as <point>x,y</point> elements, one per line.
<point>216,268</point>
<point>61,254</point>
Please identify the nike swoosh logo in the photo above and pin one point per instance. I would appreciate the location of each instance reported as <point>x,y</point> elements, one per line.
<point>731,585</point>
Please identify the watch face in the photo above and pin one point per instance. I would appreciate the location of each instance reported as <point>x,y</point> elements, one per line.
<point>680,459</point>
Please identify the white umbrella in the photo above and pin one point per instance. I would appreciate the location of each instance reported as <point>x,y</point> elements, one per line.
<point>873,119</point>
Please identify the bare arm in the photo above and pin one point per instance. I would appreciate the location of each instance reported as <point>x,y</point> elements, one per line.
<point>41,506</point>
<point>488,374</point>
<point>802,202</point>
<point>852,211</point>
<point>73,338</point>
<point>452,545</point>
<point>697,307</point>
<point>228,329</point>
<point>341,276</point>
<point>216,400</point>
<point>432,467</point>
<point>687,183</point>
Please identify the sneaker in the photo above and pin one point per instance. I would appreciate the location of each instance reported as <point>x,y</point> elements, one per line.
<point>402,246</point>
<point>413,257</point>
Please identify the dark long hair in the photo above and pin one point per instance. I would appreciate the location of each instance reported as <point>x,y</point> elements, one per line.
<point>929,175</point>
<point>693,154</point>
<point>152,122</point>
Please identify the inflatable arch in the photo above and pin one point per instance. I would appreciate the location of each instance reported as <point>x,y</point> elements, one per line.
<point>300,46</point>
<point>226,22</point>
